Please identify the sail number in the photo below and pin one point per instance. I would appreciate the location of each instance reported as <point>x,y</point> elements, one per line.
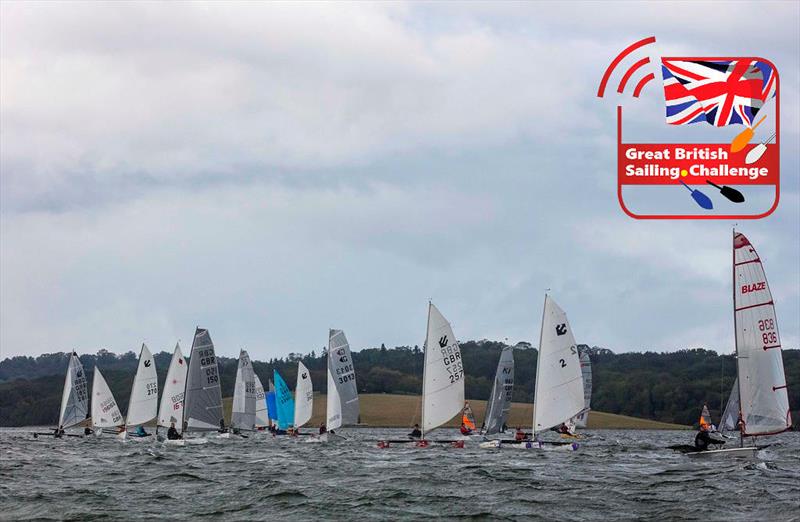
<point>768,335</point>
<point>152,388</point>
<point>451,356</point>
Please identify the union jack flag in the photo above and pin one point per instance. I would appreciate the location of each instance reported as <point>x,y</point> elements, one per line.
<point>718,92</point>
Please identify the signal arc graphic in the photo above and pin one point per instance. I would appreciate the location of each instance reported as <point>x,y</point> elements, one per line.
<point>621,56</point>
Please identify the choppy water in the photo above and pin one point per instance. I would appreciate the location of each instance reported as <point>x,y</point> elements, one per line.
<point>615,475</point>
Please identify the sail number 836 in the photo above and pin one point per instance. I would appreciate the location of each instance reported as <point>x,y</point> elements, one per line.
<point>767,327</point>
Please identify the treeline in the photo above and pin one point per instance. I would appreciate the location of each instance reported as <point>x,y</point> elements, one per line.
<point>669,387</point>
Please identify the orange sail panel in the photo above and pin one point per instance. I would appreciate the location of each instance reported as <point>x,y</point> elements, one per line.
<point>467,419</point>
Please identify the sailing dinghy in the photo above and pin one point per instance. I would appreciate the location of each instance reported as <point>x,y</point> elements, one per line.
<point>171,410</point>
<point>243,410</point>
<point>143,404</point>
<point>499,404</point>
<point>284,404</point>
<point>74,400</point>
<point>342,408</point>
<point>582,418</point>
<point>262,417</point>
<point>559,385</point>
<point>442,379</point>
<point>202,412</point>
<point>105,411</point>
<point>763,400</point>
<point>303,397</point>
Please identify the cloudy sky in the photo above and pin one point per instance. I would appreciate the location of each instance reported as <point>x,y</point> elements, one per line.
<point>268,171</point>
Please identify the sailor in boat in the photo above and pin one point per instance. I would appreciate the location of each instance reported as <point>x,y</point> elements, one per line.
<point>465,430</point>
<point>415,432</point>
<point>172,433</point>
<point>58,432</point>
<point>504,428</point>
<point>322,429</point>
<point>87,431</point>
<point>140,432</point>
<point>520,435</point>
<point>222,428</point>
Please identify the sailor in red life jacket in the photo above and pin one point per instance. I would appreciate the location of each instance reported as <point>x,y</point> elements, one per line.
<point>519,436</point>
<point>465,430</point>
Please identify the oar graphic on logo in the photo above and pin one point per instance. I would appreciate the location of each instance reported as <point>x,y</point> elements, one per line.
<point>701,199</point>
<point>729,192</point>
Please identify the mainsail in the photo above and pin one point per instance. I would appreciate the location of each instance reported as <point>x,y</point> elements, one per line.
<point>283,401</point>
<point>272,403</point>
<point>586,373</point>
<point>443,374</point>
<point>500,399</point>
<point>171,409</point>
<point>262,419</point>
<point>143,405</point>
<point>705,418</point>
<point>303,396</point>
<point>74,398</point>
<point>203,400</point>
<point>762,381</point>
<point>731,414</point>
<point>243,411</point>
<point>105,412</point>
<point>559,386</point>
<point>342,406</point>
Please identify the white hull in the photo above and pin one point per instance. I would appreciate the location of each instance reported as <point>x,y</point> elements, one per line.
<point>748,452</point>
<point>493,444</point>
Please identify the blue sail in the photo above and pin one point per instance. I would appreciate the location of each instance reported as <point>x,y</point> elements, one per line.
<point>285,402</point>
<point>272,406</point>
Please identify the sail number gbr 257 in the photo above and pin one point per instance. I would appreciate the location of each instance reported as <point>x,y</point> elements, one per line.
<point>451,356</point>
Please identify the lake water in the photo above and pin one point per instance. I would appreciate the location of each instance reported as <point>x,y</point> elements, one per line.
<point>614,475</point>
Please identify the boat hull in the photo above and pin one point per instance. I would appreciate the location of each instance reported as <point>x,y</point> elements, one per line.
<point>747,452</point>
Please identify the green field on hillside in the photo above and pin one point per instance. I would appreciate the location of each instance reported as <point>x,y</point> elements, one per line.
<point>401,411</point>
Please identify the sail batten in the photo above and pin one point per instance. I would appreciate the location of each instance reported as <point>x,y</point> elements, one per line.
<point>171,409</point>
<point>559,384</point>
<point>75,397</point>
<point>203,398</point>
<point>764,401</point>
<point>443,377</point>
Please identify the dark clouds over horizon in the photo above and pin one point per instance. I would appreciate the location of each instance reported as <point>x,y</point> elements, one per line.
<point>269,171</point>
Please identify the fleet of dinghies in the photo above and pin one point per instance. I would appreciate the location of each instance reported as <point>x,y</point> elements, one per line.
<point>191,401</point>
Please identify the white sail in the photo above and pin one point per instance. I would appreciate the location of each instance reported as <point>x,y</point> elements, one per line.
<point>262,418</point>
<point>105,412</point>
<point>143,405</point>
<point>762,382</point>
<point>342,405</point>
<point>171,409</point>
<point>443,374</point>
<point>586,373</point>
<point>74,398</point>
<point>730,416</point>
<point>559,386</point>
<point>243,411</point>
<point>303,396</point>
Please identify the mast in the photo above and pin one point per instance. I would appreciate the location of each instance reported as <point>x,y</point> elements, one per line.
<point>735,334</point>
<point>425,367</point>
<point>538,366</point>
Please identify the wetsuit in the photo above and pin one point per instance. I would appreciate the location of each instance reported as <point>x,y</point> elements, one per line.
<point>415,433</point>
<point>172,433</point>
